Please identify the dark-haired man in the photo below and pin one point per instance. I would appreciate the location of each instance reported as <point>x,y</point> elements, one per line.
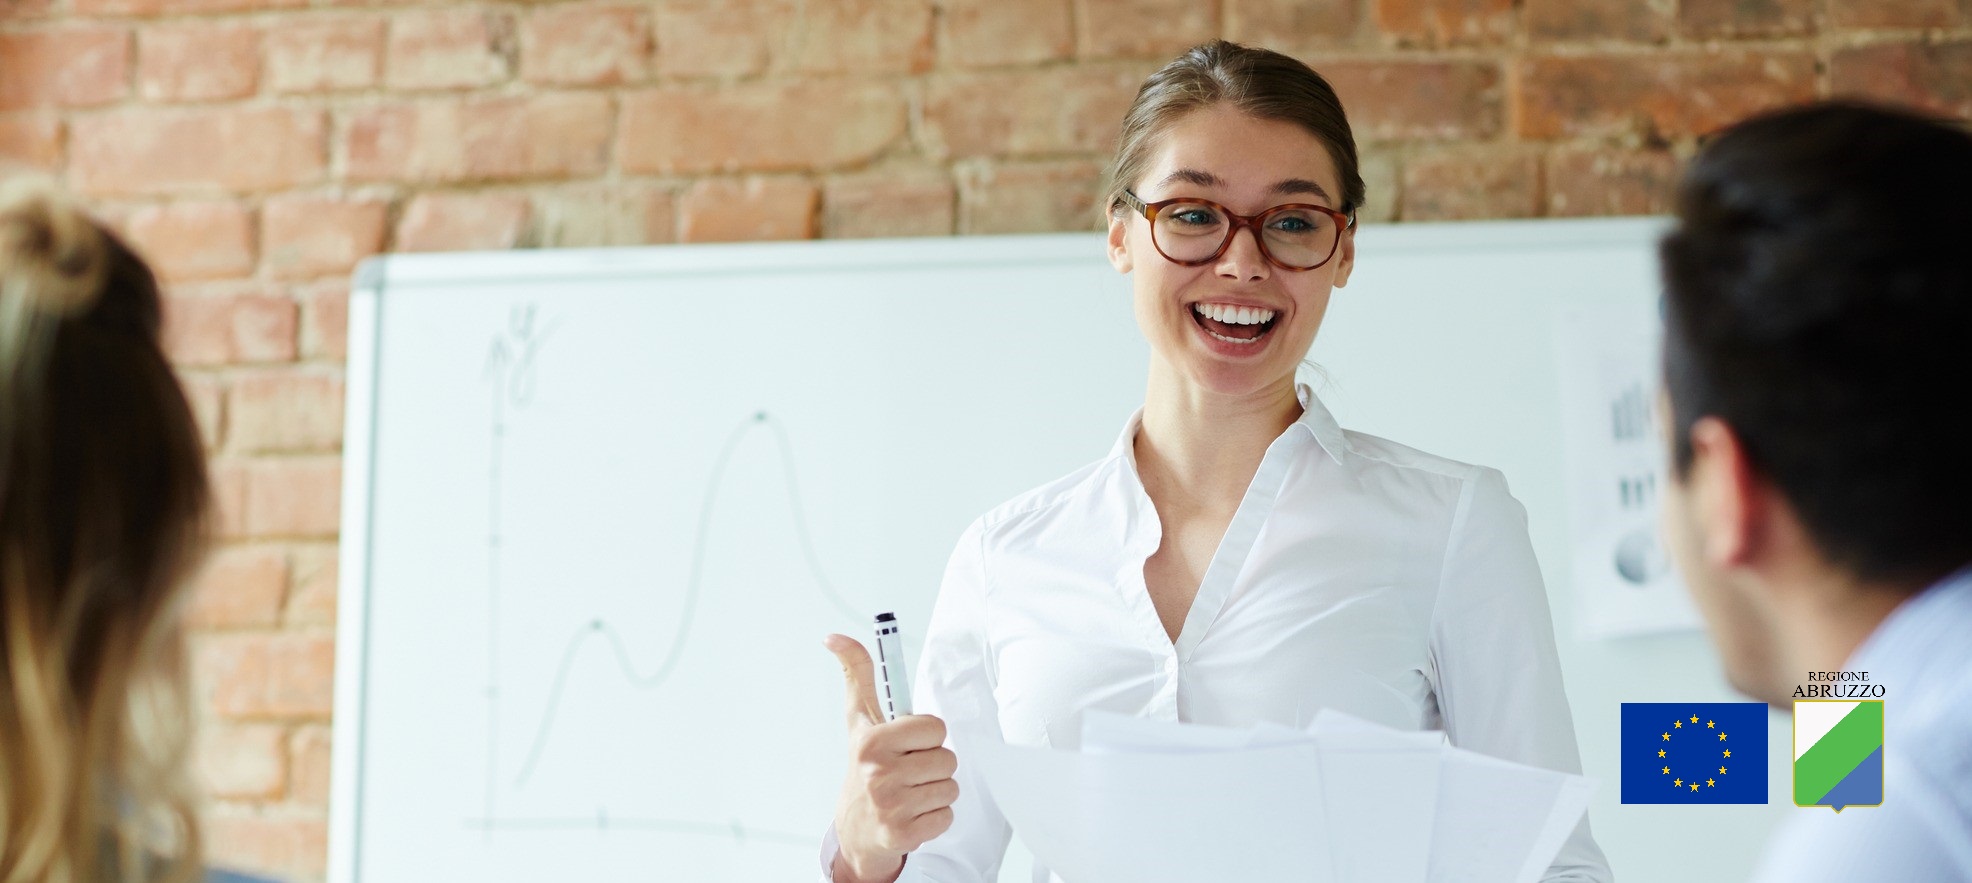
<point>1818,372</point>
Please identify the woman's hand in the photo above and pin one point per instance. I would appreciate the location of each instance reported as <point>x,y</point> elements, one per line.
<point>899,790</point>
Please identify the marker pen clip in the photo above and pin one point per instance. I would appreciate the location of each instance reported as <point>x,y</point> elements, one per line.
<point>892,680</point>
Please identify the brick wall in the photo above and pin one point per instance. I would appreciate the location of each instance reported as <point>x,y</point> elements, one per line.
<point>256,149</point>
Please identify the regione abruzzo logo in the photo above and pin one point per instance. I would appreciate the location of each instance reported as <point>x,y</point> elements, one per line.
<point>1838,753</point>
<point>1694,752</point>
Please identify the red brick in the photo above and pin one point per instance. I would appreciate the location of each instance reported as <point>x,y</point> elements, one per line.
<point>194,240</point>
<point>984,33</point>
<point>287,497</point>
<point>206,394</point>
<point>243,760</point>
<point>1288,25</point>
<point>145,151</point>
<point>1466,185</point>
<point>238,587</point>
<point>1445,22</point>
<point>605,214</point>
<point>865,36</point>
<point>1746,18</point>
<point>228,479</point>
<point>1659,96</point>
<point>304,236</point>
<point>1383,186</point>
<point>1898,13</point>
<point>448,49</point>
<point>1145,28</point>
<point>1933,76</point>
<point>757,209</point>
<point>702,38</point>
<point>197,62</point>
<point>247,675</point>
<point>31,139</point>
<point>1002,113</point>
<point>802,125</point>
<point>463,222</point>
<point>585,45</point>
<point>1644,21</point>
<point>227,329</point>
<point>308,765</point>
<point>23,10</point>
<point>69,67</point>
<point>289,847</point>
<point>1028,197</point>
<point>442,141</point>
<point>1610,182</point>
<point>109,8</point>
<point>1392,101</point>
<point>283,410</point>
<point>888,203</point>
<point>313,600</point>
<point>325,321</point>
<point>325,55</point>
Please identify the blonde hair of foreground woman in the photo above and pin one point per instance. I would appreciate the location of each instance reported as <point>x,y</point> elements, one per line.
<point>102,507</point>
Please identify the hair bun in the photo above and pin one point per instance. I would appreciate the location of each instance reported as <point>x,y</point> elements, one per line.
<point>52,255</point>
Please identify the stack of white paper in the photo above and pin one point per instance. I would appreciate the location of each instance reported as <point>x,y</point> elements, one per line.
<point>1347,801</point>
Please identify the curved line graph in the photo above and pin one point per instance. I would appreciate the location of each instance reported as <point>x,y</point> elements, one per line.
<point>510,372</point>
<point>664,669</point>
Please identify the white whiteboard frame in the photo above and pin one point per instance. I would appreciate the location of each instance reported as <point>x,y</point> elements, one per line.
<point>378,276</point>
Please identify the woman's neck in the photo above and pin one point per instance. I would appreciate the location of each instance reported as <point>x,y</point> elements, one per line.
<point>1199,449</point>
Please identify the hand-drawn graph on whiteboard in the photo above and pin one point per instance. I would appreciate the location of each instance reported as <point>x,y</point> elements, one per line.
<point>512,382</point>
<point>596,530</point>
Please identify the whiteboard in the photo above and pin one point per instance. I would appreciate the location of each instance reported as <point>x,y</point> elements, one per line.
<point>600,506</point>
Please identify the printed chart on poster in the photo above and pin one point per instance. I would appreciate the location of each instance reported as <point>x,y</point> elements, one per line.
<point>1609,371</point>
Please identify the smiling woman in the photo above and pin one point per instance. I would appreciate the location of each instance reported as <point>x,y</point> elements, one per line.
<point>1237,557</point>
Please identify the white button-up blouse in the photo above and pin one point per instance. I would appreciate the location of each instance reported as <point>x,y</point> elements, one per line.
<point>1356,574</point>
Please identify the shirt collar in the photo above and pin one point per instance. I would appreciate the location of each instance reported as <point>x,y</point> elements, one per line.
<point>1938,614</point>
<point>1315,420</point>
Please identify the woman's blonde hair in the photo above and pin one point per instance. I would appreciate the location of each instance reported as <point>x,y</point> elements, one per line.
<point>102,510</point>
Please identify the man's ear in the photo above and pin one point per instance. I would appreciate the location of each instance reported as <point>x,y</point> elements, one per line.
<point>1729,498</point>
<point>1119,242</point>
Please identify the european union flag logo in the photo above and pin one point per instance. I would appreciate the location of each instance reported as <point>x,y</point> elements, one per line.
<point>1694,752</point>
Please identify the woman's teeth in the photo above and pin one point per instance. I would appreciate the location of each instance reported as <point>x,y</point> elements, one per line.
<point>1239,340</point>
<point>1253,322</point>
<point>1232,315</point>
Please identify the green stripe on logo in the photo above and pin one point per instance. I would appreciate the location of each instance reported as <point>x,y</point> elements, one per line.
<point>1838,753</point>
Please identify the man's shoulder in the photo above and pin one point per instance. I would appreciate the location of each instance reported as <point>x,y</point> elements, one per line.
<point>215,875</point>
<point>1923,831</point>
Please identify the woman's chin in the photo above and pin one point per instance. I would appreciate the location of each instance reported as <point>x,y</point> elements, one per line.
<point>1237,380</point>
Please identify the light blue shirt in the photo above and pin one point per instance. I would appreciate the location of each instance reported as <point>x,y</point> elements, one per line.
<point>1922,655</point>
<point>214,875</point>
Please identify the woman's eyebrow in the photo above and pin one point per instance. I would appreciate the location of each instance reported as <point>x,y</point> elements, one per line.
<point>1286,187</point>
<point>1193,176</point>
<point>1293,186</point>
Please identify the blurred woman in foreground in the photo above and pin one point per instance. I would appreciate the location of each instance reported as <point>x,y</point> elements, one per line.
<point>102,506</point>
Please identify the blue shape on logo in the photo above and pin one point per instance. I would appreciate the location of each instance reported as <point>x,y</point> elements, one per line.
<point>1863,787</point>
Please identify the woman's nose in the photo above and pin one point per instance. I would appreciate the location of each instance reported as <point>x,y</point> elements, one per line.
<point>1243,259</point>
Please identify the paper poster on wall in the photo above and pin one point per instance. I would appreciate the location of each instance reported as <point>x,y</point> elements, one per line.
<point>1623,577</point>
